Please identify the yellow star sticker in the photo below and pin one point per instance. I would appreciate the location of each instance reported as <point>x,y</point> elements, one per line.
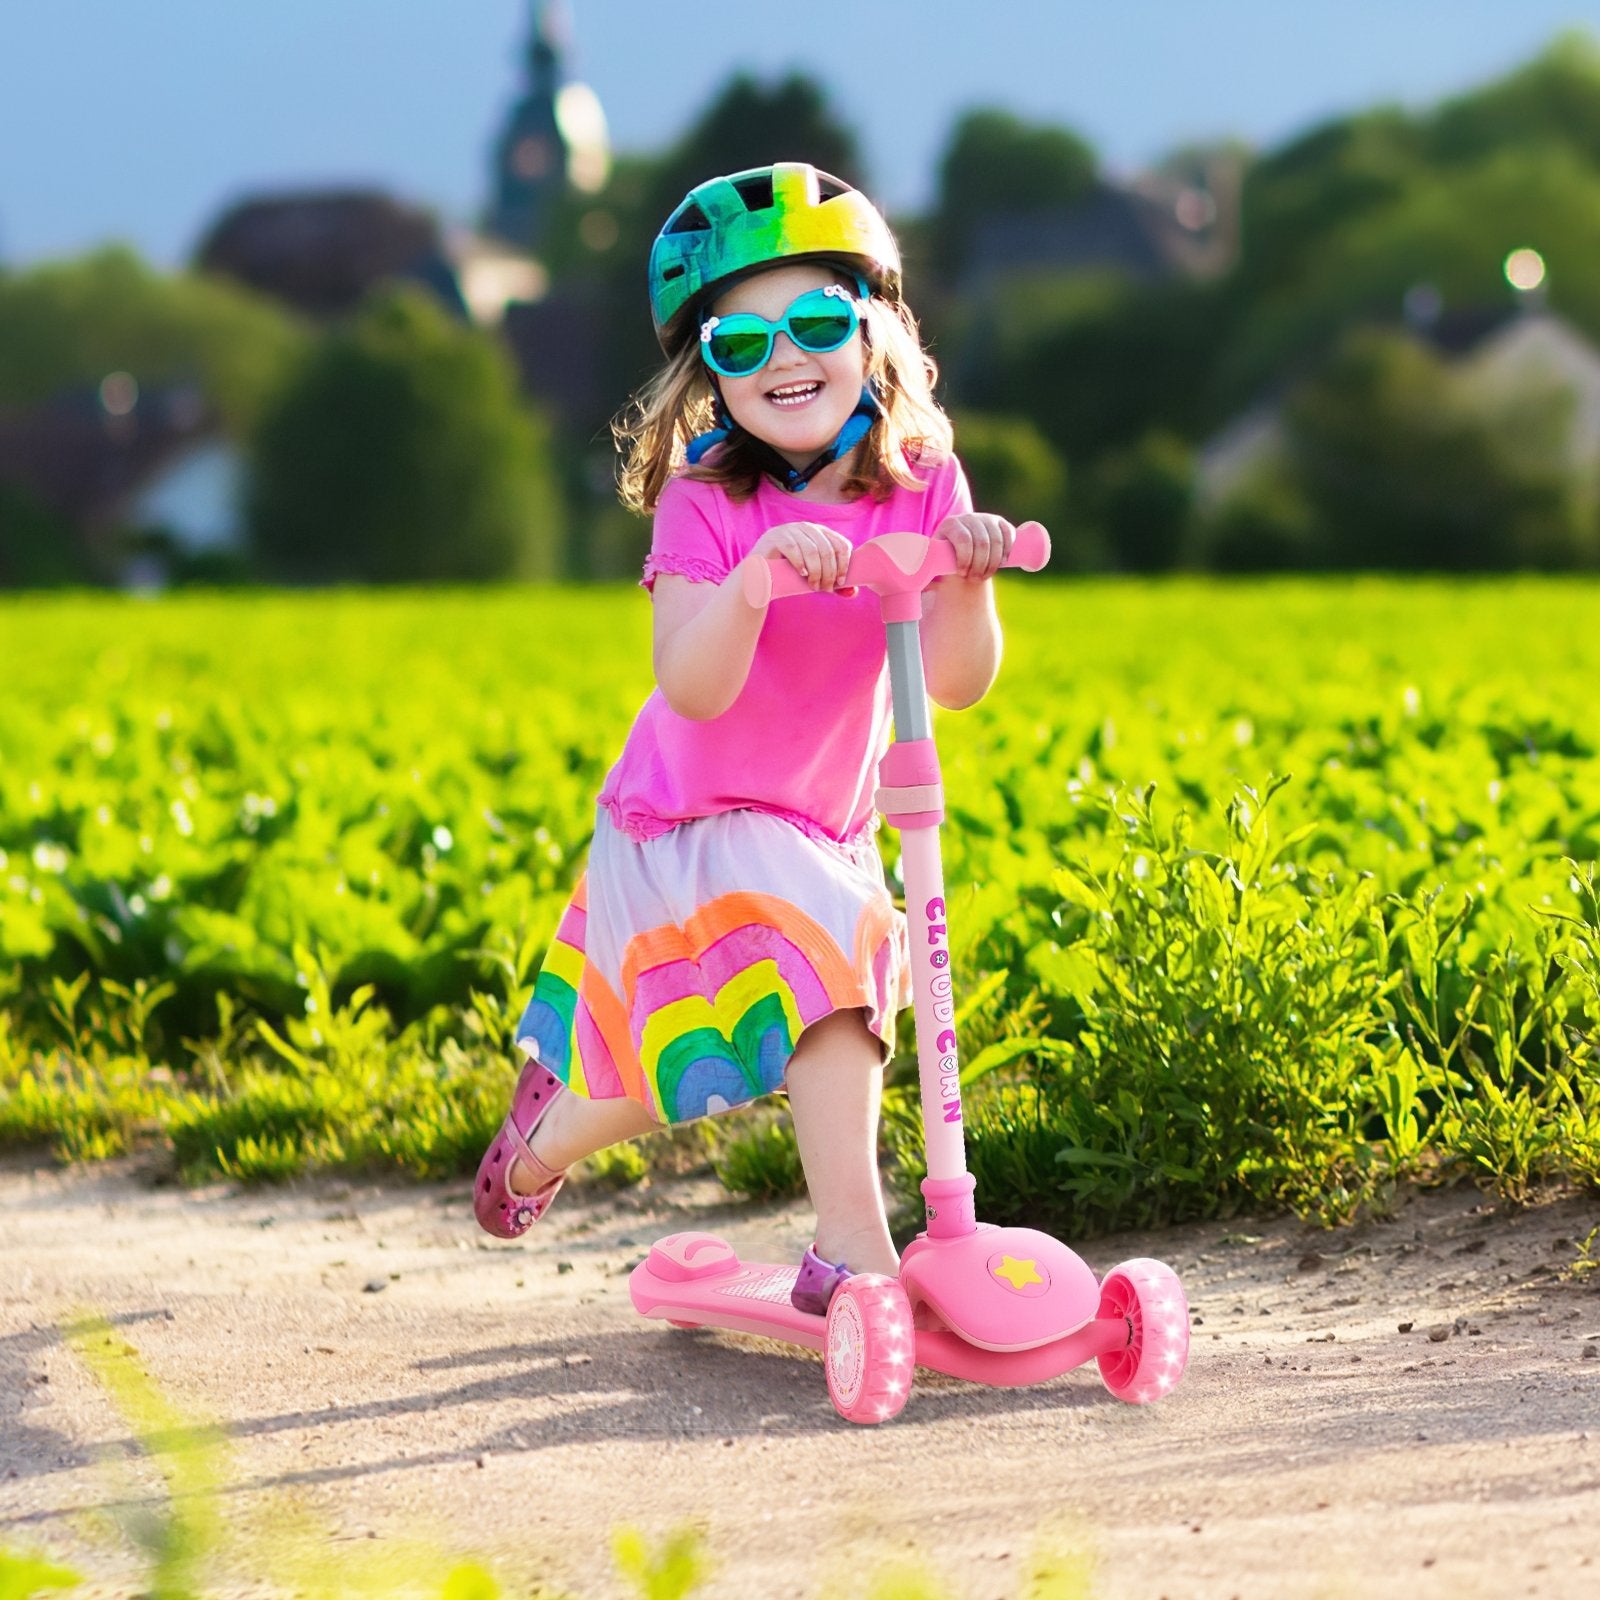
<point>1018,1273</point>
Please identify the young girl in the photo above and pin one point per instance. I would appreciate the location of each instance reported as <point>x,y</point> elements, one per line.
<point>733,933</point>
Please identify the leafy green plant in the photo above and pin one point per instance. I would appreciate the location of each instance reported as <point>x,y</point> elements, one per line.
<point>23,1576</point>
<point>670,1572</point>
<point>620,1166</point>
<point>289,919</point>
<point>759,1157</point>
<point>1210,1042</point>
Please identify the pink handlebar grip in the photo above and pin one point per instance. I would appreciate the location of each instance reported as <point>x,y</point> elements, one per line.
<point>893,563</point>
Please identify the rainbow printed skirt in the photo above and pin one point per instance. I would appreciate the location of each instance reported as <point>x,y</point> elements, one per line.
<point>685,968</point>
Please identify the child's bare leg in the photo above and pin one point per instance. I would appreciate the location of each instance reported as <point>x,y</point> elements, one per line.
<point>573,1128</point>
<point>835,1082</point>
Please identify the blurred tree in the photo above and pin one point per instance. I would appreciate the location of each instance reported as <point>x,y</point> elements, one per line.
<point>1295,198</point>
<point>751,124</point>
<point>67,324</point>
<point>1345,221</point>
<point>1096,363</point>
<point>1452,234</point>
<point>39,548</point>
<point>996,163</point>
<point>400,452</point>
<point>1014,471</point>
<point>1553,100</point>
<point>1265,525</point>
<point>1404,469</point>
<point>1141,498</point>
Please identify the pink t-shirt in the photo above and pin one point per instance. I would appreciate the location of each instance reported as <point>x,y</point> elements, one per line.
<point>805,736</point>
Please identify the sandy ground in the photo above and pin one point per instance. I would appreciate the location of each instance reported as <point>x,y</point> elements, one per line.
<point>386,1373</point>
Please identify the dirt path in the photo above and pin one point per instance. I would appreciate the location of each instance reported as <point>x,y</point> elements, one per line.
<point>380,1366</point>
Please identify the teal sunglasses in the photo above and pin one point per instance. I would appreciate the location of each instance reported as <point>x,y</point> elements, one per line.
<point>820,320</point>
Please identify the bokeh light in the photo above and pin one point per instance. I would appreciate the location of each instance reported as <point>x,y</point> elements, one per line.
<point>119,393</point>
<point>1524,270</point>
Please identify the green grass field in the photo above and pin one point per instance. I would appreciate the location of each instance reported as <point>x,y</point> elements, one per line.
<point>1266,894</point>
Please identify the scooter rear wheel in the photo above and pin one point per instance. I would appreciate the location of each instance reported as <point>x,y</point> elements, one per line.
<point>870,1351</point>
<point>1148,1295</point>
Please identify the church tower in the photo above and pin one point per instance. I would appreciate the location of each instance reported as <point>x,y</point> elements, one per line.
<point>554,137</point>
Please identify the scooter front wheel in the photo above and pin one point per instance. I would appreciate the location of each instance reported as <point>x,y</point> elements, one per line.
<point>870,1349</point>
<point>1148,1296</point>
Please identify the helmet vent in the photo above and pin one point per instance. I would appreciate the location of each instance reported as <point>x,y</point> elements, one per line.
<point>756,192</point>
<point>693,220</point>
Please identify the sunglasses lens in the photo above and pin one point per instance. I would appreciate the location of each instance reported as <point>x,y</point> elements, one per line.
<point>736,350</point>
<point>820,322</point>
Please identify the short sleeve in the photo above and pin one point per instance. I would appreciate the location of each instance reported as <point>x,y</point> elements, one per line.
<point>687,539</point>
<point>948,493</point>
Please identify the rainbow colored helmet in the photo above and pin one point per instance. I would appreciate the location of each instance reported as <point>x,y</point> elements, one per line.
<point>786,212</point>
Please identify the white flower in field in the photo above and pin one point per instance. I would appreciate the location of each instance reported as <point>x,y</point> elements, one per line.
<point>1411,700</point>
<point>180,815</point>
<point>443,837</point>
<point>48,857</point>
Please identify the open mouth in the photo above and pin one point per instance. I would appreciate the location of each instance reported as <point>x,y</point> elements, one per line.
<point>794,394</point>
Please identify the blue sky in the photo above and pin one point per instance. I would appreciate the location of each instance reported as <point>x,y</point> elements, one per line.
<point>140,119</point>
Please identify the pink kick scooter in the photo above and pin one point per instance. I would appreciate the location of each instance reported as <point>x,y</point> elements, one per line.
<point>1004,1306</point>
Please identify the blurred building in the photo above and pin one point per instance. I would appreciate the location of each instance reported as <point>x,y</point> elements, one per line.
<point>553,142</point>
<point>1496,352</point>
<point>324,251</point>
<point>554,145</point>
<point>1178,221</point>
<point>111,459</point>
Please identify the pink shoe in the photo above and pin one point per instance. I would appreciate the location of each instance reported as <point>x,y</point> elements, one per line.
<point>499,1209</point>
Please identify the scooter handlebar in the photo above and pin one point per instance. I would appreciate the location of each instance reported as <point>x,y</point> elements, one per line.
<point>893,563</point>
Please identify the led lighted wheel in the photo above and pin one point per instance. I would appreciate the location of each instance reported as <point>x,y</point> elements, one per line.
<point>870,1349</point>
<point>1148,1297</point>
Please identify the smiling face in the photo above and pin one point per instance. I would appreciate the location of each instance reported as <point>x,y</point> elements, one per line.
<point>799,400</point>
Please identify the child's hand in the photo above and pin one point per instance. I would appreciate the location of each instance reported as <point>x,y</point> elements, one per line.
<point>818,554</point>
<point>981,542</point>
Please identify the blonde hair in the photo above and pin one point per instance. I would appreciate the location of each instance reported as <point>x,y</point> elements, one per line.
<point>679,404</point>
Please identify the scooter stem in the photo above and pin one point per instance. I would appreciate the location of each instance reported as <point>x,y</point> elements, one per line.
<point>911,798</point>
<point>898,567</point>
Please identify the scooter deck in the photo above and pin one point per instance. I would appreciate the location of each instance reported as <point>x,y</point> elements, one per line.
<point>697,1280</point>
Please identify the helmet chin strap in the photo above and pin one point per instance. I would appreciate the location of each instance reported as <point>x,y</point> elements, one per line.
<point>789,477</point>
